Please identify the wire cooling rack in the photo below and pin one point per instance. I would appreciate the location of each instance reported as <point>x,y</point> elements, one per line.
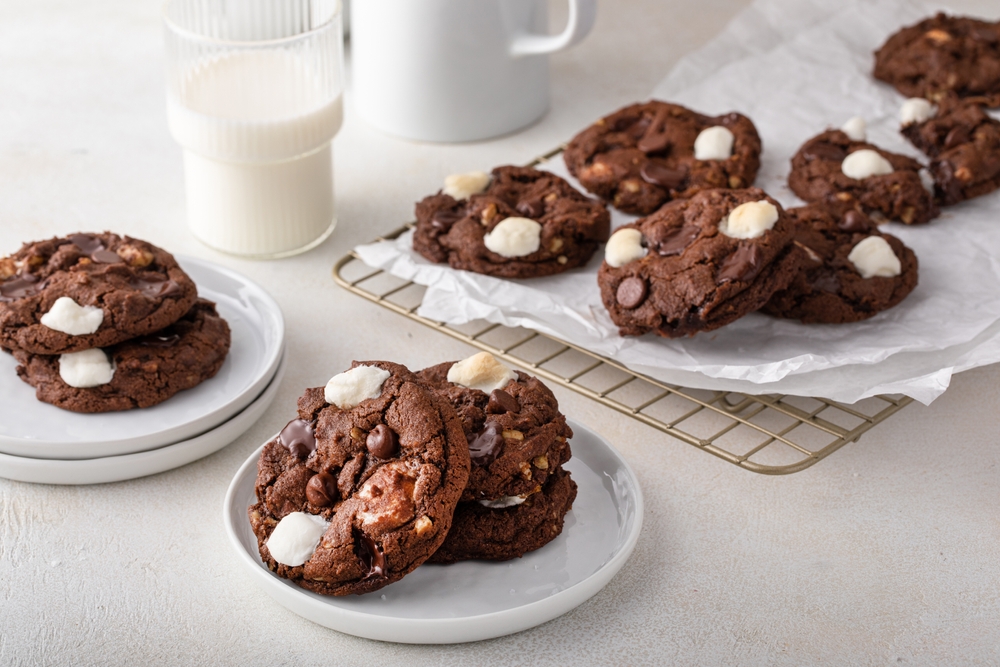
<point>771,434</point>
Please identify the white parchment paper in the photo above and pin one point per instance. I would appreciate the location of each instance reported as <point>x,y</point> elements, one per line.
<point>795,67</point>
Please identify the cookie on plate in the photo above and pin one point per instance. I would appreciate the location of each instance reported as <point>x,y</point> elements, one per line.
<point>698,264</point>
<point>360,489</point>
<point>964,144</point>
<point>644,155</point>
<point>501,530</point>
<point>517,222</point>
<point>887,186</point>
<point>851,270</point>
<point>137,373</point>
<point>517,436</point>
<point>943,56</point>
<point>88,290</point>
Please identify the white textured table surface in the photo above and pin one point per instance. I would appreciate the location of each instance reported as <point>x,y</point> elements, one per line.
<point>885,553</point>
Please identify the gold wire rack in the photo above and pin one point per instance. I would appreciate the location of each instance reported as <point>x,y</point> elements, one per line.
<point>771,434</point>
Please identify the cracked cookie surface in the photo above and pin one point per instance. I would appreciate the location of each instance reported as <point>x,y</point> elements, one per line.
<point>147,370</point>
<point>643,155</point>
<point>385,474</point>
<point>138,287</point>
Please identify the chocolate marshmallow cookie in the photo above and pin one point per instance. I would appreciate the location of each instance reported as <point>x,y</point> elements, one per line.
<point>361,488</point>
<point>88,290</point>
<point>885,185</point>
<point>516,434</point>
<point>943,56</point>
<point>851,270</point>
<point>501,531</point>
<point>644,155</point>
<point>137,373</point>
<point>964,144</point>
<point>517,223</point>
<point>698,264</point>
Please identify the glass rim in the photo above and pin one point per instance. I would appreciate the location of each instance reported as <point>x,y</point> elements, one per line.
<point>194,36</point>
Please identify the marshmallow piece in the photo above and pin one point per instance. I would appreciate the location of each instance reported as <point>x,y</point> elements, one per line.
<point>500,503</point>
<point>71,318</point>
<point>89,368</point>
<point>463,186</point>
<point>514,237</point>
<point>927,180</point>
<point>873,256</point>
<point>294,540</point>
<point>749,220</point>
<point>856,129</point>
<point>864,163</point>
<point>915,110</point>
<point>623,247</point>
<point>349,388</point>
<point>714,143</point>
<point>481,371</point>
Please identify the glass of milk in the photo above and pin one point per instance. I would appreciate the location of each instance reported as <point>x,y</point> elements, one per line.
<point>254,96</point>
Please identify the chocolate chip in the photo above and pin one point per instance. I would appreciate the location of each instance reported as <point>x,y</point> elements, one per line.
<point>155,289</point>
<point>825,151</point>
<point>854,221</point>
<point>20,287</point>
<point>743,265</point>
<point>667,241</point>
<point>443,219</point>
<point>958,135</point>
<point>631,292</point>
<point>105,256</point>
<point>299,438</point>
<point>501,402</point>
<point>321,490</point>
<point>653,142</point>
<point>153,340</point>
<point>533,208</point>
<point>382,442</point>
<point>371,555</point>
<point>827,281</point>
<point>944,177</point>
<point>487,445</point>
<point>665,177</point>
<point>86,243</point>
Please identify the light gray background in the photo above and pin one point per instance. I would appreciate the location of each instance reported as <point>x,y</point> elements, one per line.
<point>886,553</point>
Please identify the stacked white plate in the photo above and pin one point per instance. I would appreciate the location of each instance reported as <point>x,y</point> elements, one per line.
<point>42,443</point>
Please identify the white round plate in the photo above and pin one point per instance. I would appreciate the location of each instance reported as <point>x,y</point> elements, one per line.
<point>474,600</point>
<point>42,431</point>
<point>131,466</point>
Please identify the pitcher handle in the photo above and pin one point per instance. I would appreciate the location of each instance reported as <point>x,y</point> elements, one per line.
<point>581,19</point>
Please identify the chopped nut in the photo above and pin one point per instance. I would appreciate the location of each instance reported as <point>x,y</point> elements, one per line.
<point>150,367</point>
<point>631,186</point>
<point>895,187</point>
<point>561,438</point>
<point>422,525</point>
<point>513,435</point>
<point>135,256</point>
<point>907,214</point>
<point>7,268</point>
<point>525,470</point>
<point>35,261</point>
<point>549,198</point>
<point>357,433</point>
<point>937,36</point>
<point>541,462</point>
<point>598,169</point>
<point>489,213</point>
<point>844,196</point>
<point>556,244</point>
<point>84,261</point>
<point>599,122</point>
<point>963,174</point>
<point>735,182</point>
<point>562,259</point>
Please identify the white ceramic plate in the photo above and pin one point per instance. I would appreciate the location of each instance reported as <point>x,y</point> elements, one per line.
<point>470,601</point>
<point>131,466</point>
<point>34,429</point>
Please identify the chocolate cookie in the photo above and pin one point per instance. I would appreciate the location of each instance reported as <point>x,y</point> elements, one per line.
<point>137,373</point>
<point>484,532</point>
<point>88,290</point>
<point>644,155</point>
<point>885,185</point>
<point>943,56</point>
<point>698,264</point>
<point>526,223</point>
<point>516,434</point>
<point>832,286</point>
<point>361,488</point>
<point>964,142</point>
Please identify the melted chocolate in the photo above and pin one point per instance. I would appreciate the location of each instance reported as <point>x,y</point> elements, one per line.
<point>854,221</point>
<point>501,402</point>
<point>371,555</point>
<point>487,446</point>
<point>321,490</point>
<point>20,287</point>
<point>825,151</point>
<point>299,438</point>
<point>826,281</point>
<point>533,208</point>
<point>665,177</point>
<point>945,179</point>
<point>160,341</point>
<point>105,256</point>
<point>443,219</point>
<point>94,247</point>
<point>958,135</point>
<point>744,264</point>
<point>155,289</point>
<point>673,241</point>
<point>631,292</point>
<point>382,442</point>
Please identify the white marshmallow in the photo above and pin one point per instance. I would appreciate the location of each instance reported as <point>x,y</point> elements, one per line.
<point>873,256</point>
<point>927,180</point>
<point>749,220</point>
<point>481,371</point>
<point>463,186</point>
<point>88,368</point>
<point>294,540</point>
<point>714,143</point>
<point>514,237</point>
<point>915,110</point>
<point>349,388</point>
<point>864,163</point>
<point>623,247</point>
<point>69,317</point>
<point>500,503</point>
<point>856,129</point>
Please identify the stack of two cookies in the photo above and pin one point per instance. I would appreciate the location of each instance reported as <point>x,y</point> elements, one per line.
<point>385,469</point>
<point>100,323</point>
